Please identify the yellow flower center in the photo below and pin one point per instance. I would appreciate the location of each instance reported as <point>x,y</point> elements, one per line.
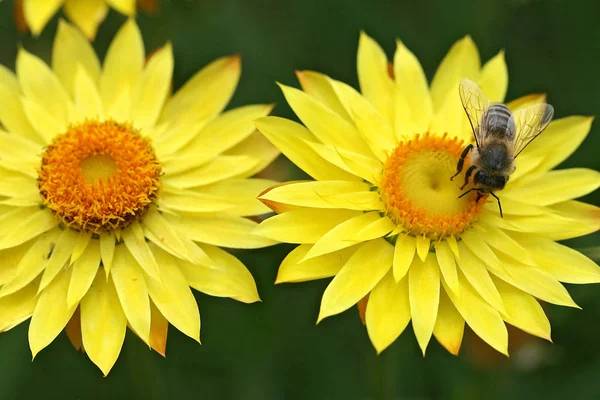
<point>418,193</point>
<point>99,176</point>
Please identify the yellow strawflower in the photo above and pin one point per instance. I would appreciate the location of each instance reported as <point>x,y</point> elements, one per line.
<point>383,218</point>
<point>115,194</point>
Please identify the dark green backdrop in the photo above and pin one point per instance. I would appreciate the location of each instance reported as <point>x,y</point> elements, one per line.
<point>273,350</point>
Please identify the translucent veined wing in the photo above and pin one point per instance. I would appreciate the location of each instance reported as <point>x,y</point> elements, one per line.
<point>529,123</point>
<point>475,104</point>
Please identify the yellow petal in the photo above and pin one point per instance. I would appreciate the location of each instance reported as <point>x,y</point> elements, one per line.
<point>83,239</point>
<point>475,242</point>
<point>221,168</point>
<point>368,168</point>
<point>423,245</point>
<point>51,313</point>
<point>445,259</point>
<point>451,118</point>
<point>451,240</point>
<point>226,231</point>
<point>18,306</point>
<point>12,114</point>
<point>388,311</point>
<point>42,121</point>
<point>534,281</point>
<point>137,246</point>
<point>122,65</point>
<point>291,138</point>
<point>526,101</point>
<point>302,225</point>
<point>375,129</point>
<point>88,104</point>
<point>228,277</point>
<point>61,252</point>
<point>32,263</point>
<point>560,261</point>
<point>206,94</point>
<point>375,229</point>
<point>404,253</point>
<point>326,194</point>
<point>363,270</point>
<point>412,84</point>
<point>257,147</point>
<point>479,278</point>
<point>187,200</point>
<point>293,269</point>
<point>325,124</point>
<point>583,214</point>
<point>107,251</point>
<point>25,223</point>
<point>342,235</point>
<point>318,86</point>
<point>505,243</point>
<point>523,311</point>
<point>18,149</point>
<point>424,295</point>
<point>567,134</point>
<point>167,236</point>
<point>153,88</point>
<point>220,134</point>
<point>493,80</point>
<point>158,331</point>
<point>404,125</point>
<point>84,272</point>
<point>37,13</point>
<point>449,325</point>
<point>41,86</point>
<point>555,226</point>
<point>556,186</point>
<point>130,284</point>
<point>375,82</point>
<point>10,260</point>
<point>241,195</point>
<point>481,317</point>
<point>462,61</point>
<point>126,7</point>
<point>70,52</point>
<point>103,323</point>
<point>87,14</point>
<point>173,296</point>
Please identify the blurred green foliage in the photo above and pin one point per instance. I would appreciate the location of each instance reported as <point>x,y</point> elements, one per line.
<point>273,349</point>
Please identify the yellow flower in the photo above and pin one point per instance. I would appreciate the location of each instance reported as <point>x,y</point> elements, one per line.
<point>114,195</point>
<point>384,219</point>
<point>86,14</point>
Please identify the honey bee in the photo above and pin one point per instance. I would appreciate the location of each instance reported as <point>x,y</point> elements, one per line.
<point>500,136</point>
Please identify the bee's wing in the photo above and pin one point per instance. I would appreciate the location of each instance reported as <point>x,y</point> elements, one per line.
<point>529,123</point>
<point>475,104</point>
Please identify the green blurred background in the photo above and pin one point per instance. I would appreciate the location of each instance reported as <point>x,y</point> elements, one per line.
<point>273,349</point>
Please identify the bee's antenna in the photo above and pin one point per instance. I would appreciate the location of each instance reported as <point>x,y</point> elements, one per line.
<point>499,205</point>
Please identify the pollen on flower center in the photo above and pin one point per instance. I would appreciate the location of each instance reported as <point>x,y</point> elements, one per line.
<point>417,190</point>
<point>99,176</point>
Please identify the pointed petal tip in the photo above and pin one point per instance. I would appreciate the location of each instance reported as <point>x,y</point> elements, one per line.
<point>235,59</point>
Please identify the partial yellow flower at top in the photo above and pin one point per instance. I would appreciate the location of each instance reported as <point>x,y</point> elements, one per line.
<point>384,219</point>
<point>114,195</point>
<point>86,14</point>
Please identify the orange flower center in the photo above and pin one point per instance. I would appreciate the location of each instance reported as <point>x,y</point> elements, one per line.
<point>99,176</point>
<point>418,193</point>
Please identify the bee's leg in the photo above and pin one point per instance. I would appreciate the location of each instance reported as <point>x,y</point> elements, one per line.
<point>461,161</point>
<point>499,205</point>
<point>467,192</point>
<point>468,175</point>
